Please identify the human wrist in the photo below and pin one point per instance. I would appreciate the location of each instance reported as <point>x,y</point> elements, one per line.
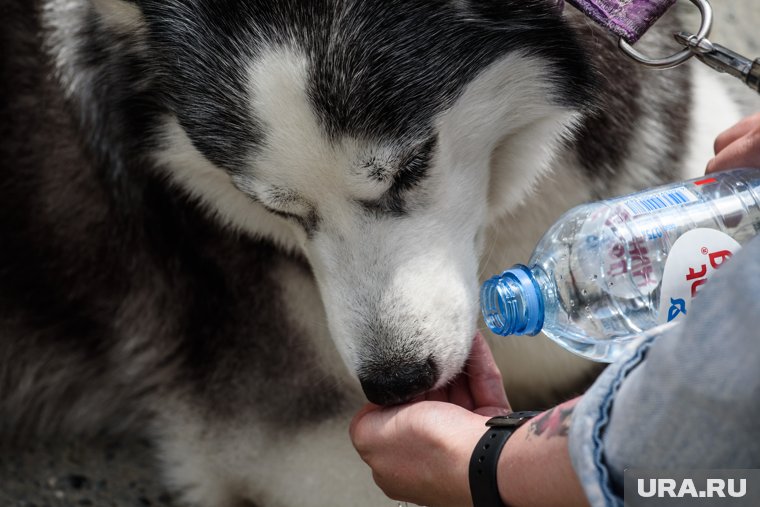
<point>510,480</point>
<point>464,448</point>
<point>485,458</point>
<point>484,463</point>
<point>534,467</point>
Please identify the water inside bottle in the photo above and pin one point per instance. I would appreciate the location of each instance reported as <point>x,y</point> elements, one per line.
<point>601,265</point>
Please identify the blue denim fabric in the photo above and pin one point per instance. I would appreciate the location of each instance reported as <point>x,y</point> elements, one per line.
<point>688,399</point>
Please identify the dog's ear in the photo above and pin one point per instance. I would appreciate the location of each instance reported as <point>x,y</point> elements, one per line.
<point>123,15</point>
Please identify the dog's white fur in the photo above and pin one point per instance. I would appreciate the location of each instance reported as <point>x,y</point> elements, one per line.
<point>500,156</point>
<point>518,171</point>
<point>323,457</point>
<point>475,159</point>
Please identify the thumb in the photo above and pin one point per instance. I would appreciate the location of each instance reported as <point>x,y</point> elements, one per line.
<point>492,411</point>
<point>486,384</point>
<point>365,410</point>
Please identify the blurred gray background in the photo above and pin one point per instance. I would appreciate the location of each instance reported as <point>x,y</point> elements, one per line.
<point>120,472</point>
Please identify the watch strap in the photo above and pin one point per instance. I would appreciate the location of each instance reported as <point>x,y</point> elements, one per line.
<point>484,486</point>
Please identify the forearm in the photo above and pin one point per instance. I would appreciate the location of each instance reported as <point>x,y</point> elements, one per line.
<point>535,468</point>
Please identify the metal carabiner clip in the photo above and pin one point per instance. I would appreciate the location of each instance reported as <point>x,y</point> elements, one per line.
<point>722,59</point>
<point>705,9</point>
<point>713,55</point>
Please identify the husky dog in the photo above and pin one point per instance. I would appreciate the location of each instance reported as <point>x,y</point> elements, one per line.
<point>227,222</point>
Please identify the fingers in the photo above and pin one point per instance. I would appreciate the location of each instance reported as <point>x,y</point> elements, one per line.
<point>492,411</point>
<point>419,452</point>
<point>743,152</point>
<point>441,394</point>
<point>738,146</point>
<point>460,394</point>
<point>485,382</point>
<point>456,392</point>
<point>478,389</point>
<point>358,431</point>
<point>741,129</point>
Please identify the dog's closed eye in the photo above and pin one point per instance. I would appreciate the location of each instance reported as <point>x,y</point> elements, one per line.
<point>290,205</point>
<point>282,202</point>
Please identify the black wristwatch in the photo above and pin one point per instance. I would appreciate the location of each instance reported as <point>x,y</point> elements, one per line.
<point>484,487</point>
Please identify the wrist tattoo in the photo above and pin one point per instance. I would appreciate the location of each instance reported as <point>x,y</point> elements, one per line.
<point>554,422</point>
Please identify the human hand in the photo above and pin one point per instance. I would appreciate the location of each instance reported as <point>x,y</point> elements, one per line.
<point>420,452</point>
<point>738,146</point>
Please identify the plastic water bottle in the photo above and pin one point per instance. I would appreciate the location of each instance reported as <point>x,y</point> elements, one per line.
<point>609,273</point>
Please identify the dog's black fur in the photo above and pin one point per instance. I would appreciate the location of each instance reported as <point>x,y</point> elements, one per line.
<point>118,289</point>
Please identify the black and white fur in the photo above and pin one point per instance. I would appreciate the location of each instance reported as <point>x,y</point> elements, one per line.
<point>218,216</point>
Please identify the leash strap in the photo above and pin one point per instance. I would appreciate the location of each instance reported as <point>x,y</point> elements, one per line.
<point>628,19</point>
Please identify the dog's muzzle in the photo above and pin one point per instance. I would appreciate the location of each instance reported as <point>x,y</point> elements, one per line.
<point>398,382</point>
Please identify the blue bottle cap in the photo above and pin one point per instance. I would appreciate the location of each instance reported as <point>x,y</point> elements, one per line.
<point>512,303</point>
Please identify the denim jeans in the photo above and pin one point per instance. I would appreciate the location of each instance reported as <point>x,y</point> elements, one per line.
<point>688,399</point>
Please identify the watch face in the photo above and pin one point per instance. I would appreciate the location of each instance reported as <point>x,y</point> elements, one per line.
<point>512,420</point>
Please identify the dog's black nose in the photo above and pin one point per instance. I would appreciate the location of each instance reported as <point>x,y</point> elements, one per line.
<point>394,383</point>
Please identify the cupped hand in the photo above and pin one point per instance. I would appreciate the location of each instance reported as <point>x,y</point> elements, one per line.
<point>419,452</point>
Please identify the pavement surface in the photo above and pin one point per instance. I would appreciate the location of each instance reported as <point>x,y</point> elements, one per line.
<point>121,472</point>
<point>104,472</point>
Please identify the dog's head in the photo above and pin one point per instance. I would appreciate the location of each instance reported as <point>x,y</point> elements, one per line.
<point>378,138</point>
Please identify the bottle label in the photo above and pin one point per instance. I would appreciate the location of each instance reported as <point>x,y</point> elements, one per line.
<point>694,258</point>
<point>649,203</point>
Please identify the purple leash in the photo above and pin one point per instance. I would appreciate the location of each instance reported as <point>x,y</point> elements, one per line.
<point>630,19</point>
